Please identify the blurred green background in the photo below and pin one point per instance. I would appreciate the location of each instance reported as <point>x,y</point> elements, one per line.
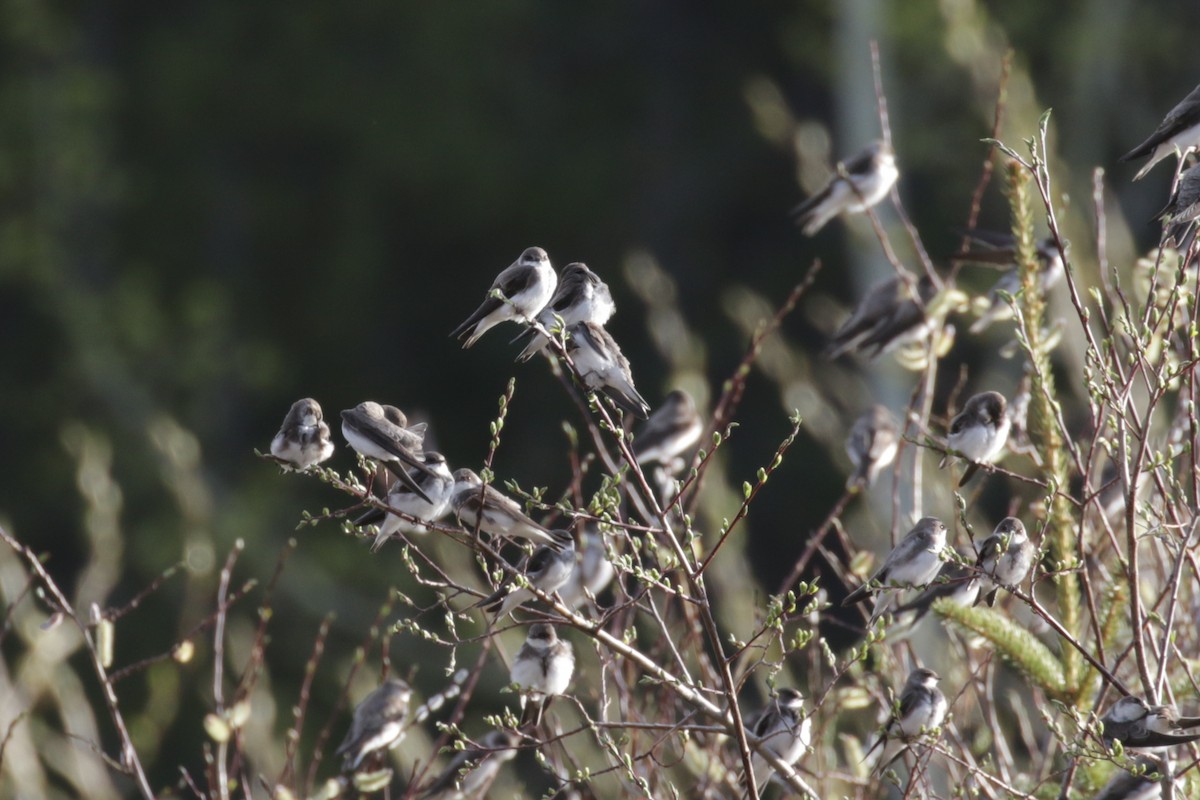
<point>209,210</point>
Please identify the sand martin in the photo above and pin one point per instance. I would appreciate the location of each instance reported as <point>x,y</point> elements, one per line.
<point>603,368</point>
<point>885,318</point>
<point>1182,211</point>
<point>1145,785</point>
<point>303,439</point>
<point>437,486</point>
<point>580,297</point>
<point>592,573</point>
<point>502,516</point>
<point>383,433</point>
<point>994,247</point>
<point>1005,557</point>
<point>872,445</point>
<point>672,430</point>
<point>784,730</point>
<point>915,561</point>
<point>525,287</point>
<point>472,770</point>
<point>954,581</point>
<point>546,569</point>
<point>978,432</point>
<point>542,669</point>
<point>857,185</point>
<point>377,724</point>
<point>920,708</point>
<point>1179,129</point>
<point>1134,723</point>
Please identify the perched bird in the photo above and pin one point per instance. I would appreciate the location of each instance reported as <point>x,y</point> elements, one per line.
<point>501,515</point>
<point>859,183</point>
<point>1143,783</point>
<point>921,708</point>
<point>592,572</point>
<point>1183,209</point>
<point>784,730</point>
<point>581,296</point>
<point>472,770</point>
<point>1134,723</point>
<point>978,432</point>
<point>1180,129</point>
<point>603,368</point>
<point>994,247</point>
<point>377,723</point>
<point>915,561</point>
<point>954,581</point>
<point>872,444</point>
<point>437,486</point>
<point>547,569</point>
<point>672,430</point>
<point>1005,557</point>
<point>383,433</point>
<point>525,286</point>
<point>885,318</point>
<point>542,669</point>
<point>303,439</point>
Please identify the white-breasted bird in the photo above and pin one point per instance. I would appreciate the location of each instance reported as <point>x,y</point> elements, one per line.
<point>542,669</point>
<point>581,296</point>
<point>858,184</point>
<point>382,432</point>
<point>1135,723</point>
<point>1179,130</point>
<point>672,430</point>
<point>920,709</point>
<point>994,247</point>
<point>978,432</point>
<point>593,572</point>
<point>303,439</point>
<point>889,315</point>
<point>784,730</point>
<point>493,512</point>
<point>524,288</point>
<point>1005,557</point>
<point>603,367</point>
<point>872,445</point>
<point>913,562</point>
<point>378,723</point>
<point>437,485</point>
<point>546,569</point>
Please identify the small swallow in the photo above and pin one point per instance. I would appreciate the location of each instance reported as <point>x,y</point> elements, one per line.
<point>581,296</point>
<point>436,485</point>
<point>542,669</point>
<point>915,561</point>
<point>377,724</point>
<point>885,318</point>
<point>1001,248</point>
<point>383,433</point>
<point>672,430</point>
<point>1182,211</point>
<point>1134,723</point>
<point>872,445</point>
<point>1005,557</point>
<point>921,708</point>
<point>603,368</point>
<point>547,569</point>
<point>525,287</point>
<point>1180,129</point>
<point>857,185</point>
<point>978,432</point>
<point>473,769</point>
<point>303,439</point>
<point>954,581</point>
<point>502,516</point>
<point>1144,783</point>
<point>592,573</point>
<point>784,730</point>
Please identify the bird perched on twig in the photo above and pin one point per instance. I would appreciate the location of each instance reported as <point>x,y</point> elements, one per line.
<point>472,770</point>
<point>914,561</point>
<point>887,317</point>
<point>784,730</point>
<point>1135,723</point>
<point>993,247</point>
<point>603,368</point>
<point>547,569</point>
<point>518,293</point>
<point>858,184</point>
<point>1179,130</point>
<point>921,708</point>
<point>382,432</point>
<point>437,486</point>
<point>592,571</point>
<point>978,432</point>
<point>542,669</point>
<point>954,581</point>
<point>377,723</point>
<point>1183,209</point>
<point>495,514</point>
<point>872,445</point>
<point>303,439</point>
<point>1005,557</point>
<point>672,430</point>
<point>581,296</point>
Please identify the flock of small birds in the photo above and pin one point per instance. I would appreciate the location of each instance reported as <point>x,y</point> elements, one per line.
<point>564,316</point>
